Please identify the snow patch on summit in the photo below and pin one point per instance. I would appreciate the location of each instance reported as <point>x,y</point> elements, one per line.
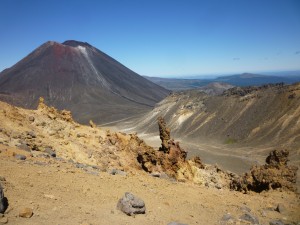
<point>99,76</point>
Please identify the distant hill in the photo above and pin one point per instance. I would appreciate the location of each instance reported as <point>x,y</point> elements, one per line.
<point>249,79</point>
<point>177,84</point>
<point>245,79</point>
<point>76,76</point>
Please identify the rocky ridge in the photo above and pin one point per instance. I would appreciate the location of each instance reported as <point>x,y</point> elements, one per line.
<point>273,175</point>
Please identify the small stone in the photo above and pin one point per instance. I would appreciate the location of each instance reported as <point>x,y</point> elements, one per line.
<point>31,118</point>
<point>92,124</point>
<point>155,174</point>
<point>79,135</point>
<point>50,151</point>
<point>131,205</point>
<point>117,172</point>
<point>226,217</point>
<point>50,196</point>
<point>263,213</point>
<point>80,165</point>
<point>250,218</point>
<point>20,157</point>
<point>280,208</point>
<point>3,220</point>
<point>218,186</point>
<point>31,134</point>
<point>245,209</point>
<point>51,132</point>
<point>24,147</point>
<point>276,222</point>
<point>26,213</point>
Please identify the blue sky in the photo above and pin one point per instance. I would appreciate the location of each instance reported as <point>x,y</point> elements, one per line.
<point>161,37</point>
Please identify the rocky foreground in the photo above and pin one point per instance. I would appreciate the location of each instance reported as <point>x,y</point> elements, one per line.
<point>55,171</point>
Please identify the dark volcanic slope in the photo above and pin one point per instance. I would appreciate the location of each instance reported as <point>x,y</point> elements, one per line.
<point>78,77</point>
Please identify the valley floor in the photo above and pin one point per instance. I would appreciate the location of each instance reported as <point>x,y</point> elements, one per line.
<point>60,193</point>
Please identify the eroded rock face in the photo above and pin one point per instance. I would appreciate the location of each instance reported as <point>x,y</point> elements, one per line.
<point>274,174</point>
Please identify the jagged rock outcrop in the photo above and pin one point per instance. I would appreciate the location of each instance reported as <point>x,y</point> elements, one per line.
<point>53,113</point>
<point>171,160</point>
<point>274,174</point>
<point>170,157</point>
<point>164,134</point>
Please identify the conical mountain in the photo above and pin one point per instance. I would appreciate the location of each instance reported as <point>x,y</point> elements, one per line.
<point>78,77</point>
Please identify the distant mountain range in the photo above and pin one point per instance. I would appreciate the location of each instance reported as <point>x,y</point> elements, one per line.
<point>78,77</point>
<point>245,79</point>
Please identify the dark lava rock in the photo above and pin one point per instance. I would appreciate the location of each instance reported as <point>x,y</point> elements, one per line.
<point>3,201</point>
<point>20,157</point>
<point>131,205</point>
<point>250,218</point>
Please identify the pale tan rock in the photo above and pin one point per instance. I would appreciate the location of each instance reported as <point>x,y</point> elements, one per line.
<point>26,212</point>
<point>3,220</point>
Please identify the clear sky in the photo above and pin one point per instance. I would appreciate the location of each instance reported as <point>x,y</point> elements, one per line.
<point>161,37</point>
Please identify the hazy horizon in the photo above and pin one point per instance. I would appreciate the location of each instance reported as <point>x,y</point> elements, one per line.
<point>214,75</point>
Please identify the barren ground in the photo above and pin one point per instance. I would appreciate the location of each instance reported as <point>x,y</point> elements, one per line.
<point>60,193</point>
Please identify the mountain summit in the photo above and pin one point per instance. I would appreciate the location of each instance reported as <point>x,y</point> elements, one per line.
<point>77,76</point>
